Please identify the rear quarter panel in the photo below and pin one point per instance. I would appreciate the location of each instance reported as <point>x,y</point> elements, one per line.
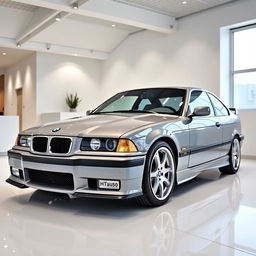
<point>231,126</point>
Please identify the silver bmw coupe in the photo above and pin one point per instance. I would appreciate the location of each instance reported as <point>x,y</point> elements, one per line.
<point>139,143</point>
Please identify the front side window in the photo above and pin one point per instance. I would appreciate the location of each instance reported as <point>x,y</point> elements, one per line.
<point>243,69</point>
<point>219,107</point>
<point>162,101</point>
<point>199,99</point>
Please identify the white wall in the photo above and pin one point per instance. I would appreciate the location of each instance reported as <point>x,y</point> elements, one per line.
<point>22,75</point>
<point>1,71</point>
<point>58,75</point>
<point>45,80</point>
<point>189,57</point>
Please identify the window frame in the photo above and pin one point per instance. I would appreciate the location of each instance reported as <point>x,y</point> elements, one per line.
<point>233,72</point>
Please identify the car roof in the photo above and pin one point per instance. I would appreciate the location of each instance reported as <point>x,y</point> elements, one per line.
<point>187,88</point>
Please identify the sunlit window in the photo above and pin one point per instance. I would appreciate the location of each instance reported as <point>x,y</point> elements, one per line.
<point>244,68</point>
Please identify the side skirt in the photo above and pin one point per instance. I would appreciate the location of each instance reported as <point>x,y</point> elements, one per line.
<point>190,173</point>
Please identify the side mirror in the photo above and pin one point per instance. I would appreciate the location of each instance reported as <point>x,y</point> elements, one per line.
<point>201,111</point>
<point>233,110</point>
<point>88,112</point>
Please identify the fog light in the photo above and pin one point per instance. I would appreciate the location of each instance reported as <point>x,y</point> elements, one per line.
<point>15,172</point>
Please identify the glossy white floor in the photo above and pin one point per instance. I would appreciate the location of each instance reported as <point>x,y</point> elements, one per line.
<point>211,215</point>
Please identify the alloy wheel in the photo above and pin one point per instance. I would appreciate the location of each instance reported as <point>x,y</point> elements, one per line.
<point>236,154</point>
<point>162,173</point>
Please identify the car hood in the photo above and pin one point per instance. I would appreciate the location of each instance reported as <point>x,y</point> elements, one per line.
<point>104,125</point>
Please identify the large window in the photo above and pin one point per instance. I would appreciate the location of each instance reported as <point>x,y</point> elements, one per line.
<point>243,86</point>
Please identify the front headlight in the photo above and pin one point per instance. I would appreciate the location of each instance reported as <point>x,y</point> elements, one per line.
<point>108,145</point>
<point>24,141</point>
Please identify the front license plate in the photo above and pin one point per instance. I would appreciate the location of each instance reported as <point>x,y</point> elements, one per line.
<point>109,184</point>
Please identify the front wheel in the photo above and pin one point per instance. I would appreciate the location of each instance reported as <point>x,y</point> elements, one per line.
<point>159,175</point>
<point>234,158</point>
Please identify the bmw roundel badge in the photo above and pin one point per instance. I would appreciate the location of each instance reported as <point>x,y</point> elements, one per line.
<point>56,129</point>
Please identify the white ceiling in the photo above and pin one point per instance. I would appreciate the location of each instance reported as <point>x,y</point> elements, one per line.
<point>94,30</point>
<point>175,8</point>
<point>83,32</point>
<point>15,5</point>
<point>12,56</point>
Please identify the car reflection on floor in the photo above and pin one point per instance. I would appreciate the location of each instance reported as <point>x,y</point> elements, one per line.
<point>43,223</point>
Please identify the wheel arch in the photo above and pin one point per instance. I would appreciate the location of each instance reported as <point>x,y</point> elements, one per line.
<point>171,143</point>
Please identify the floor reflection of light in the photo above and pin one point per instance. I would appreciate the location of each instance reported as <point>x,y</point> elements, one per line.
<point>245,234</point>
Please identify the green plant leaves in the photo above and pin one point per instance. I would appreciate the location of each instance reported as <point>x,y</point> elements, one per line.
<point>72,100</point>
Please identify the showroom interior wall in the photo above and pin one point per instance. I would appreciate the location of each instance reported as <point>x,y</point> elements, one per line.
<point>58,75</point>
<point>189,57</point>
<point>45,80</point>
<point>22,75</point>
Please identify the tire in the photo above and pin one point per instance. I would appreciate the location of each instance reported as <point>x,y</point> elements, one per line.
<point>159,175</point>
<point>234,158</point>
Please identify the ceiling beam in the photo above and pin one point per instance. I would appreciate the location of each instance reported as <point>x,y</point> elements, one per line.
<point>37,29</point>
<point>41,17</point>
<point>56,49</point>
<point>112,11</point>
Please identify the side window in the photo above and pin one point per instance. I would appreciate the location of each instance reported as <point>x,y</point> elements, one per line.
<point>220,109</point>
<point>199,98</point>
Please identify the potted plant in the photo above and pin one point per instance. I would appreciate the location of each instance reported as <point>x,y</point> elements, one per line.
<point>72,101</point>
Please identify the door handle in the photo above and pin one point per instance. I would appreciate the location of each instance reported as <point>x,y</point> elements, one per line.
<point>218,124</point>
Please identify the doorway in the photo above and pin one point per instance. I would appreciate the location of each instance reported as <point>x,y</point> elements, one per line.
<point>19,106</point>
<point>1,95</point>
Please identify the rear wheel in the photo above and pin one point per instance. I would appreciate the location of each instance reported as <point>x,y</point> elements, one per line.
<point>234,158</point>
<point>159,175</point>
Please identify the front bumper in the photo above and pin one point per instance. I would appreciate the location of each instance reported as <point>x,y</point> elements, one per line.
<point>84,170</point>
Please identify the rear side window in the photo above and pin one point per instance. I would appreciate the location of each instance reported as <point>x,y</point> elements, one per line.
<point>219,107</point>
<point>199,99</point>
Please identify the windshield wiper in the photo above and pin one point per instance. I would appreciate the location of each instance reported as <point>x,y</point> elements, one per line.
<point>126,111</point>
<point>138,111</point>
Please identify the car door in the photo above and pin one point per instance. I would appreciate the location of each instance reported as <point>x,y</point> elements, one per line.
<point>205,133</point>
<point>223,117</point>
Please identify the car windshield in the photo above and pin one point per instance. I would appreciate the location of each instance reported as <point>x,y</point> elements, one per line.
<point>157,100</point>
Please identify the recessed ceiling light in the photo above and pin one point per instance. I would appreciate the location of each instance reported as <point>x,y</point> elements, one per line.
<point>4,53</point>
<point>184,2</point>
<point>75,5</point>
<point>113,25</point>
<point>75,55</point>
<point>58,18</point>
<point>18,45</point>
